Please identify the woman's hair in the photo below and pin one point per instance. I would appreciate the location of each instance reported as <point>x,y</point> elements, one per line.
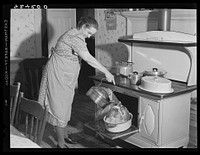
<point>88,22</point>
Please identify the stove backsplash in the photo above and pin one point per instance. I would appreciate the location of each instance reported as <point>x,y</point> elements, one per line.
<point>175,62</point>
<point>179,61</point>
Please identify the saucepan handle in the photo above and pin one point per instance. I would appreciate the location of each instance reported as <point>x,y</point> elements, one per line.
<point>101,82</point>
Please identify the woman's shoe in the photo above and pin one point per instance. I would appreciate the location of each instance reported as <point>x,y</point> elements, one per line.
<point>70,141</point>
<point>58,146</point>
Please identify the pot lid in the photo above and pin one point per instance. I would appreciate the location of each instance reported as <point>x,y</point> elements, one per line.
<point>155,79</point>
<point>155,71</point>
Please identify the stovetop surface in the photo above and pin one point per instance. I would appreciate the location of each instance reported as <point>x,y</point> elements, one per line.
<point>178,87</point>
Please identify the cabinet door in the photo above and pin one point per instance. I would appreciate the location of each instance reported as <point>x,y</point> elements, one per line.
<point>148,119</point>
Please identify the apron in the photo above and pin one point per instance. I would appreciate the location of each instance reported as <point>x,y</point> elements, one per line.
<point>60,77</point>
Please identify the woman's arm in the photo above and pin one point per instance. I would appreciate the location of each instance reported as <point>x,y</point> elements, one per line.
<point>81,49</point>
<point>86,56</point>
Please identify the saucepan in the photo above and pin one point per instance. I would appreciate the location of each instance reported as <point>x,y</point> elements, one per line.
<point>135,77</point>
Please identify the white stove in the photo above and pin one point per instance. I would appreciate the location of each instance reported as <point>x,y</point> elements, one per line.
<point>162,120</point>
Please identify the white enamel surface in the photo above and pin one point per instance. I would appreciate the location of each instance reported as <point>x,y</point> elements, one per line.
<point>149,120</point>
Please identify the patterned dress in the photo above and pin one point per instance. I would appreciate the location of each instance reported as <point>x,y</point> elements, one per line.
<point>60,77</point>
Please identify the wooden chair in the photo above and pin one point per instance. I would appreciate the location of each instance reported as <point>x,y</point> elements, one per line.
<point>33,68</point>
<point>34,116</point>
<point>14,93</point>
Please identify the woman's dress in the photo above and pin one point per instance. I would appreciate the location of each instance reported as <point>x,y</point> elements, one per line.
<point>60,77</point>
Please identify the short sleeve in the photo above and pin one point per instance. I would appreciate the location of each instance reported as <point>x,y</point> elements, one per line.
<point>78,44</point>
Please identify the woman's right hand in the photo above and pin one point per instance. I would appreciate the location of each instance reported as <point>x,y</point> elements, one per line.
<point>110,77</point>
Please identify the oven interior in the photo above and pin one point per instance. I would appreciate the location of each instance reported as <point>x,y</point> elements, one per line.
<point>131,103</point>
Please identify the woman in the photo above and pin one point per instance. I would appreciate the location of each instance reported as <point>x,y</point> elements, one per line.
<point>61,73</point>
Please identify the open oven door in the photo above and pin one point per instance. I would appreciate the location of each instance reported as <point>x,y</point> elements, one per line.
<point>103,129</point>
<point>99,127</point>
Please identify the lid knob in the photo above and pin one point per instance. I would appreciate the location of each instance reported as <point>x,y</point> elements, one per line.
<point>135,73</point>
<point>155,69</point>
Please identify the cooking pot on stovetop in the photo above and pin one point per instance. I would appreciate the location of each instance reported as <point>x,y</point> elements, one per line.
<point>135,77</point>
<point>154,72</point>
<point>124,68</point>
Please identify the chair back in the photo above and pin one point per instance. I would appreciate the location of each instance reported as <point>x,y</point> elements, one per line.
<point>33,68</point>
<point>35,118</point>
<point>14,93</point>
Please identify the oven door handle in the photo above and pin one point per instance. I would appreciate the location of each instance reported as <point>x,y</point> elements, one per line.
<point>142,118</point>
<point>140,122</point>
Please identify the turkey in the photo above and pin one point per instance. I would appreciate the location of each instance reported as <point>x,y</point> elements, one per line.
<point>118,114</point>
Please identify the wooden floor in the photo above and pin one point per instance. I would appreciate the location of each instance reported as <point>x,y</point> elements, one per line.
<point>82,112</point>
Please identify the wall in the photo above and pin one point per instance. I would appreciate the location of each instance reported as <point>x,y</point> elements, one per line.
<point>108,49</point>
<point>139,21</point>
<point>25,37</point>
<point>184,20</point>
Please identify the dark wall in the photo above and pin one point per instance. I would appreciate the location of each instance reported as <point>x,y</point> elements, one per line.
<point>84,83</point>
<point>44,34</point>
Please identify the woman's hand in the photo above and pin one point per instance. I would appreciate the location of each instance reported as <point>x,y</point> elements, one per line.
<point>110,77</point>
<point>86,56</point>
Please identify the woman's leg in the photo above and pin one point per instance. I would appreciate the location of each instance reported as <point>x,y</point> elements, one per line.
<point>60,131</point>
<point>65,132</point>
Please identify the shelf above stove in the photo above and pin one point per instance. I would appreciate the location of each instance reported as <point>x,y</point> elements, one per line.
<point>170,38</point>
<point>157,42</point>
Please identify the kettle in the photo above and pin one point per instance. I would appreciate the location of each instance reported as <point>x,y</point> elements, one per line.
<point>99,96</point>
